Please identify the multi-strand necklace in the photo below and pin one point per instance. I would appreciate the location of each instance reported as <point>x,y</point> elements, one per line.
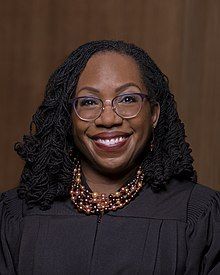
<point>95,203</point>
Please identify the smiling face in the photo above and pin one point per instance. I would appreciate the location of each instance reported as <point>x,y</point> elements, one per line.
<point>110,143</point>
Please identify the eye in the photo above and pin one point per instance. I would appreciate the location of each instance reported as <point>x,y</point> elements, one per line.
<point>87,102</point>
<point>128,99</point>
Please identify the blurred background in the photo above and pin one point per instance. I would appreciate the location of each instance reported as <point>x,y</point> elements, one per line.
<point>182,36</point>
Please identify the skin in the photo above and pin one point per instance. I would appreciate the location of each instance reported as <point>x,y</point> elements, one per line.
<point>104,76</point>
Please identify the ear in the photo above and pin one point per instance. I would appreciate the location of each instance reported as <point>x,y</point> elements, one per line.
<point>155,113</point>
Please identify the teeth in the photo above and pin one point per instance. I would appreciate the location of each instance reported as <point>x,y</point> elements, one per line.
<point>111,141</point>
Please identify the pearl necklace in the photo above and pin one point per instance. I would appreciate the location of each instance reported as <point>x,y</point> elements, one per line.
<point>95,203</point>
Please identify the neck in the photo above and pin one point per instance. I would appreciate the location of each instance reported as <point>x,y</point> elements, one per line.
<point>101,183</point>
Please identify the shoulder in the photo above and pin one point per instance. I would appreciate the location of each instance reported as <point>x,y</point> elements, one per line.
<point>11,194</point>
<point>183,200</point>
<point>202,201</point>
<point>10,204</point>
<point>14,208</point>
<point>202,194</point>
<point>171,203</point>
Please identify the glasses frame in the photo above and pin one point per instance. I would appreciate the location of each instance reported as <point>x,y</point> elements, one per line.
<point>110,102</point>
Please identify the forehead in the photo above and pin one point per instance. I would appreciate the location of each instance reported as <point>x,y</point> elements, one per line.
<point>109,69</point>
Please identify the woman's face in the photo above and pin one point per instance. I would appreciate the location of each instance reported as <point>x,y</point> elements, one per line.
<point>110,143</point>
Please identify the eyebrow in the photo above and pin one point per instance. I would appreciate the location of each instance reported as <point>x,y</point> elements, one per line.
<point>126,85</point>
<point>118,89</point>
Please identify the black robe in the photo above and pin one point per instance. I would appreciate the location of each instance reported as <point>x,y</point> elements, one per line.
<point>172,232</point>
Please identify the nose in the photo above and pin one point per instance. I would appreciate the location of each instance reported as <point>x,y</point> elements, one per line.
<point>108,117</point>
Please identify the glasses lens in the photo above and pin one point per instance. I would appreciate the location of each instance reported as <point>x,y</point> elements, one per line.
<point>88,108</point>
<point>128,105</point>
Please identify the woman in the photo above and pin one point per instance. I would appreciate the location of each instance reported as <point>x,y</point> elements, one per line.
<point>108,186</point>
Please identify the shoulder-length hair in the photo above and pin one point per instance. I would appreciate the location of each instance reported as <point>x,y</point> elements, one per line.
<point>47,173</point>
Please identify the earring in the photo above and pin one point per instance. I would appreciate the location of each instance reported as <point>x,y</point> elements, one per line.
<point>72,154</point>
<point>152,140</point>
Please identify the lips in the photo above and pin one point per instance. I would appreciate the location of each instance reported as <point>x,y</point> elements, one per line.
<point>109,141</point>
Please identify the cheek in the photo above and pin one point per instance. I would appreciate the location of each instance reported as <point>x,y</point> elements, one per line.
<point>142,126</point>
<point>78,130</point>
<point>143,133</point>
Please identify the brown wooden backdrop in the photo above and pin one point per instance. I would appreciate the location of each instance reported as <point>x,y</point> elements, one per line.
<point>182,36</point>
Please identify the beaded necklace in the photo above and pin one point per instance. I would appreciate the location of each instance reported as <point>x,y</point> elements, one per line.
<point>95,203</point>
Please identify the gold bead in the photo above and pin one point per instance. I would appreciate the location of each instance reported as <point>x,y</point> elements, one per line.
<point>95,203</point>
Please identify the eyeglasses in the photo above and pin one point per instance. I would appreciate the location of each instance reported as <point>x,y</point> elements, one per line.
<point>89,108</point>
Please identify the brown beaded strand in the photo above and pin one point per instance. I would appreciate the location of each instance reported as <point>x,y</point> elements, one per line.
<point>94,203</point>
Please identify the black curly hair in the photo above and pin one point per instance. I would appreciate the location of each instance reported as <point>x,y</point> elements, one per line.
<point>47,173</point>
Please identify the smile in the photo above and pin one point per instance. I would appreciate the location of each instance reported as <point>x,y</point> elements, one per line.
<point>112,141</point>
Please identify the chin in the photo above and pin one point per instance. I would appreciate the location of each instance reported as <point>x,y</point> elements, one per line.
<point>112,166</point>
